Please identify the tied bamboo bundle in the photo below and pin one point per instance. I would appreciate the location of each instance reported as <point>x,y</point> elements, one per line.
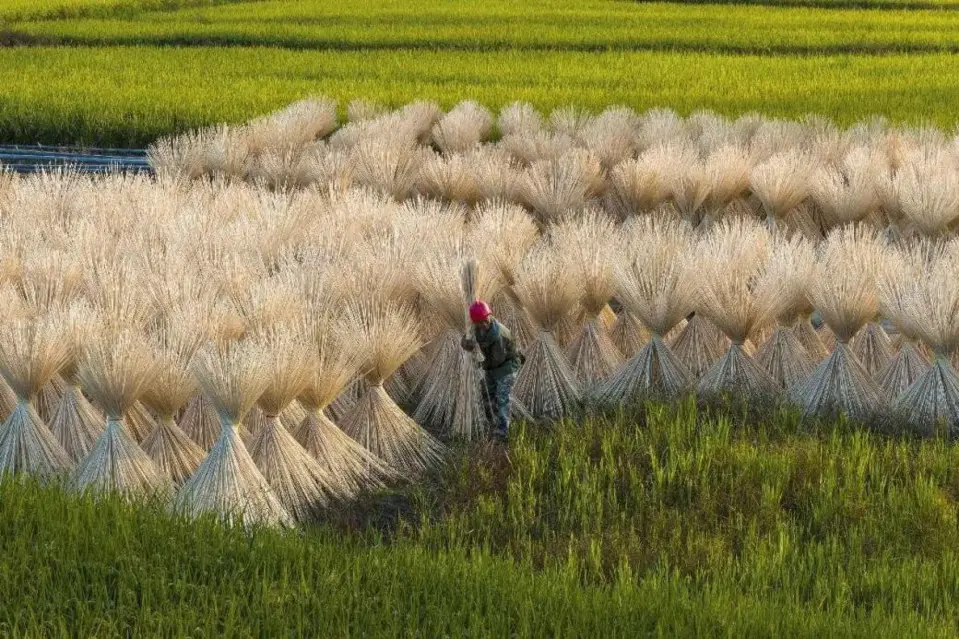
<point>690,187</point>
<point>698,344</point>
<point>909,363</point>
<point>76,424</point>
<point>502,234</point>
<point>928,195</point>
<point>783,355</point>
<point>534,146</point>
<point>656,284</point>
<point>115,367</point>
<point>517,118</point>
<point>49,398</point>
<point>200,421</point>
<point>611,135</point>
<point>451,390</point>
<point>642,185</point>
<point>548,289</point>
<point>872,347</point>
<point>627,333</point>
<point>449,179</point>
<point>727,171</point>
<point>843,288</point>
<point>848,193</point>
<point>387,335</point>
<point>736,296</point>
<point>463,128</point>
<point>390,165</point>
<point>926,307</point>
<point>812,339</point>
<point>781,183</point>
<point>228,483</point>
<point>352,467</point>
<point>552,188</point>
<point>174,342</point>
<point>31,352</point>
<point>299,482</point>
<point>590,242</point>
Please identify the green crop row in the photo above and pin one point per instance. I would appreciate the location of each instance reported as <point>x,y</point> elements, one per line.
<point>13,10</point>
<point>683,523</point>
<point>131,95</point>
<point>592,25</point>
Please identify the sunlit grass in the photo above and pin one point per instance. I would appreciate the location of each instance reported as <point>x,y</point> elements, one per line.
<point>678,522</point>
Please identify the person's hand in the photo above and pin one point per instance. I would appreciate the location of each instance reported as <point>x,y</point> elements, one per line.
<point>468,343</point>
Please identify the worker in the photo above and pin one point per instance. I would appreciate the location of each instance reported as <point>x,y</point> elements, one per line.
<point>501,362</point>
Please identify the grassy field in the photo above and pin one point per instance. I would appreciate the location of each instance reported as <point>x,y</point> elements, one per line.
<point>14,10</point>
<point>593,25</point>
<point>676,523</point>
<point>134,71</point>
<point>129,96</point>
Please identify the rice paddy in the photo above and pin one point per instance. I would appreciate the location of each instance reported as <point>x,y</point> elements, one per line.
<point>129,75</point>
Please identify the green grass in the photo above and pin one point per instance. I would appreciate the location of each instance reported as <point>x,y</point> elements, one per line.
<point>14,10</point>
<point>681,523</point>
<point>129,96</point>
<point>132,73</point>
<point>592,25</point>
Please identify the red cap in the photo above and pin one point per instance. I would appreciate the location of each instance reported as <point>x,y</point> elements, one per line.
<point>479,310</point>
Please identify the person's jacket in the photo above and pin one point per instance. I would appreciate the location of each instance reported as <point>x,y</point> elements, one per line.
<point>500,356</point>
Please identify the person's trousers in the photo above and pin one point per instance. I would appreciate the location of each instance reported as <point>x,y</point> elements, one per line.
<point>498,402</point>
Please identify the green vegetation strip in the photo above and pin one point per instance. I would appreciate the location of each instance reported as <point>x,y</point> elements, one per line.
<point>127,96</point>
<point>680,523</point>
<point>12,10</point>
<point>593,25</point>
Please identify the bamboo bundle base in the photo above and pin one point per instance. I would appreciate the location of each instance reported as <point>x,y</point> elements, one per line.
<point>48,399</point>
<point>653,373</point>
<point>400,387</point>
<point>77,425</point>
<point>546,385</point>
<point>839,384</point>
<point>352,467</point>
<point>299,482</point>
<point>902,371</point>
<point>827,337</point>
<point>140,422</point>
<point>738,375</point>
<point>593,355</point>
<point>292,416</point>
<point>346,400</point>
<point>931,403</point>
<point>699,345</point>
<point>253,422</point>
<point>377,423</point>
<point>628,334</point>
<point>175,454</point>
<point>872,347</point>
<point>118,464</point>
<point>811,340</point>
<point>783,357</point>
<point>200,422</point>
<point>229,485</point>
<point>451,392</point>
<point>28,446</point>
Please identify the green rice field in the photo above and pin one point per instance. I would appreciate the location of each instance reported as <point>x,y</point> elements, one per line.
<point>128,72</point>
